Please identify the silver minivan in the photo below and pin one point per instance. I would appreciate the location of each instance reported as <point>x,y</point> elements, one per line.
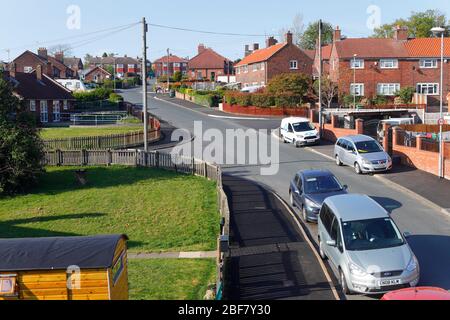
<point>365,246</point>
<point>362,153</point>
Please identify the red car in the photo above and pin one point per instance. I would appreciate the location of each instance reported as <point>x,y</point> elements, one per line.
<point>422,294</point>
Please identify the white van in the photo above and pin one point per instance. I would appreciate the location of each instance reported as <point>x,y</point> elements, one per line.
<point>299,132</point>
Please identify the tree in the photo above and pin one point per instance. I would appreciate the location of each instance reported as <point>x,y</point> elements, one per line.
<point>419,24</point>
<point>21,149</point>
<point>65,48</point>
<point>177,76</point>
<point>297,28</point>
<point>329,90</point>
<point>104,55</point>
<point>309,38</point>
<point>289,83</point>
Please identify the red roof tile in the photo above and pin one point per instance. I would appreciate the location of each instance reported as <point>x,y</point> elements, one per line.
<point>208,59</point>
<point>371,48</point>
<point>172,59</point>
<point>427,47</point>
<point>262,54</point>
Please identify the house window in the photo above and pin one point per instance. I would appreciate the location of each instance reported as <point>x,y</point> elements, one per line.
<point>131,66</point>
<point>8,286</point>
<point>255,67</point>
<point>164,64</point>
<point>27,69</point>
<point>245,69</point>
<point>176,65</point>
<point>389,64</point>
<point>428,63</point>
<point>56,111</point>
<point>65,105</point>
<point>357,64</point>
<point>430,89</point>
<point>255,84</point>
<point>357,89</point>
<point>44,112</point>
<point>293,64</point>
<point>33,105</point>
<point>388,89</point>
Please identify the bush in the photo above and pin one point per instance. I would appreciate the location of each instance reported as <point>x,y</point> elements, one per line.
<point>348,100</point>
<point>21,149</point>
<point>406,94</point>
<point>93,95</point>
<point>290,83</point>
<point>379,100</point>
<point>115,98</point>
<point>263,100</point>
<point>288,100</point>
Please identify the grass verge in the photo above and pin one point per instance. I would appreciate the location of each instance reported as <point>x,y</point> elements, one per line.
<point>64,133</point>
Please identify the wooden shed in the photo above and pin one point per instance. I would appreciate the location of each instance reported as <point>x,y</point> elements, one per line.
<point>66,268</point>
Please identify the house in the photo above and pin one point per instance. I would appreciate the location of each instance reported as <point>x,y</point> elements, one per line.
<point>368,67</point>
<point>74,63</point>
<point>169,65</point>
<point>41,94</point>
<point>326,55</point>
<point>124,67</point>
<point>209,65</point>
<point>259,66</point>
<point>52,66</point>
<point>3,66</point>
<point>96,74</point>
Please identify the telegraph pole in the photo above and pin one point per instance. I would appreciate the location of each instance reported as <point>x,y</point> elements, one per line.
<point>144,83</point>
<point>320,78</point>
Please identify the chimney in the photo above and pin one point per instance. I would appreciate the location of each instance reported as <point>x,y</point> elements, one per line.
<point>201,48</point>
<point>12,69</point>
<point>271,41</point>
<point>247,50</point>
<point>289,38</point>
<point>401,33</point>
<point>39,72</point>
<point>59,56</point>
<point>42,52</point>
<point>255,46</point>
<point>337,34</point>
<point>49,70</point>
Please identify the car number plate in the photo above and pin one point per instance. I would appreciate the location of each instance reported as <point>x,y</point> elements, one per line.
<point>386,283</point>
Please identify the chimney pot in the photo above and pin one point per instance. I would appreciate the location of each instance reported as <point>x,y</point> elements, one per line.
<point>337,34</point>
<point>42,52</point>
<point>289,38</point>
<point>401,33</point>
<point>59,56</point>
<point>201,48</point>
<point>271,41</point>
<point>256,46</point>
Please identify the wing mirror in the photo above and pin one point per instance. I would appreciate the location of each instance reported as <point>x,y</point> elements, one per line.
<point>332,243</point>
<point>407,234</point>
<point>345,187</point>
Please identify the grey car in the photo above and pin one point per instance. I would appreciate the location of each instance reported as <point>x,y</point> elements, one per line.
<point>362,153</point>
<point>364,244</point>
<point>310,188</point>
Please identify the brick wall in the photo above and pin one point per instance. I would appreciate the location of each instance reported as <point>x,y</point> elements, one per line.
<point>331,132</point>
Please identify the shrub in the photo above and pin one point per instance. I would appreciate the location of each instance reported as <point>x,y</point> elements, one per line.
<point>289,83</point>
<point>263,100</point>
<point>406,94</point>
<point>379,100</point>
<point>93,95</point>
<point>243,99</point>
<point>288,100</point>
<point>348,100</point>
<point>115,98</point>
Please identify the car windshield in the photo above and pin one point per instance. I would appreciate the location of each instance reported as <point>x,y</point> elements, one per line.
<point>368,147</point>
<point>371,235</point>
<point>303,127</point>
<point>323,184</point>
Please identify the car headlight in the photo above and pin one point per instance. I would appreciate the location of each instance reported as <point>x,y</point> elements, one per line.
<point>311,204</point>
<point>413,265</point>
<point>300,136</point>
<point>356,270</point>
<point>366,162</point>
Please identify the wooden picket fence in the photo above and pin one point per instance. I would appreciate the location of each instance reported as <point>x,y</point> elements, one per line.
<point>113,141</point>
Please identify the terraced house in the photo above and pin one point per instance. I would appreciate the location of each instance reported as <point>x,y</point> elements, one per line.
<point>368,67</point>
<point>260,65</point>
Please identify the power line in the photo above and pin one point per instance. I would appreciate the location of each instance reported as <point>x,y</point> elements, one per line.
<point>206,32</point>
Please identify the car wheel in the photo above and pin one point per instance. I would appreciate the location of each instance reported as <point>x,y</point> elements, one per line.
<point>338,161</point>
<point>291,197</point>
<point>321,252</point>
<point>358,168</point>
<point>343,282</point>
<point>284,139</point>
<point>305,215</point>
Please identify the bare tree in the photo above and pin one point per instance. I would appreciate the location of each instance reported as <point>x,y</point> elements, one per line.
<point>297,28</point>
<point>330,90</point>
<point>65,48</point>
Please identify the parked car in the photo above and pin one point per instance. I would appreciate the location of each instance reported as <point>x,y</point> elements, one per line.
<point>418,294</point>
<point>363,153</point>
<point>310,188</point>
<point>365,245</point>
<point>299,132</point>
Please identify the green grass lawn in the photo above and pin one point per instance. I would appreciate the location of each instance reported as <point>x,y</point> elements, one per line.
<point>170,279</point>
<point>63,133</point>
<point>160,211</point>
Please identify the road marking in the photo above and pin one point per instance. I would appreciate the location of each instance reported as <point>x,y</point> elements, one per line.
<point>322,264</point>
<point>239,118</point>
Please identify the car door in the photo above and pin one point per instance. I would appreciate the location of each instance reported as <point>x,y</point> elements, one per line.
<point>351,154</point>
<point>294,189</point>
<point>343,151</point>
<point>300,194</point>
<point>326,218</point>
<point>290,134</point>
<point>335,252</point>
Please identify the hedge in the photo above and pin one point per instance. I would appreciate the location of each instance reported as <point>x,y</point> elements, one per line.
<point>263,100</point>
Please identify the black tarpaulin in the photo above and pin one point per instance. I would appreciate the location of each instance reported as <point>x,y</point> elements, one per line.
<point>58,253</point>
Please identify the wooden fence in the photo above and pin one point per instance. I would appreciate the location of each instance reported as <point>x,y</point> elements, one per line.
<point>113,141</point>
<point>155,159</point>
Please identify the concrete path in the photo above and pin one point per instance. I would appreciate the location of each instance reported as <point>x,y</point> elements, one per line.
<point>173,255</point>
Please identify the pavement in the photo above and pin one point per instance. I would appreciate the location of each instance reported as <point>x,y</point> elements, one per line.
<point>270,258</point>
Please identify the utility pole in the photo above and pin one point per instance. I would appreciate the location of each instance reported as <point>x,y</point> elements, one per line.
<point>144,83</point>
<point>320,79</point>
<point>168,68</point>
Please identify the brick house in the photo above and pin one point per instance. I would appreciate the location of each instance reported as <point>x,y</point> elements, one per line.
<point>370,67</point>
<point>208,65</point>
<point>74,63</point>
<point>259,66</point>
<point>49,101</point>
<point>125,67</point>
<point>96,75</point>
<point>170,64</point>
<point>52,66</point>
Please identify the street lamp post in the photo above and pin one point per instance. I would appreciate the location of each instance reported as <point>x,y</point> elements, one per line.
<point>441,31</point>
<point>354,80</point>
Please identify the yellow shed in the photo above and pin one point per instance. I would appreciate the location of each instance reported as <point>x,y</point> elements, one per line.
<point>65,268</point>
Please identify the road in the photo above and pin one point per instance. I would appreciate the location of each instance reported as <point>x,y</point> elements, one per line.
<point>430,227</point>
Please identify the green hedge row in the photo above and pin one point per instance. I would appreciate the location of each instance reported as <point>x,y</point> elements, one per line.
<point>263,100</point>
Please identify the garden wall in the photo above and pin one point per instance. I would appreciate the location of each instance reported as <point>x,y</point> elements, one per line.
<point>332,132</point>
<point>270,112</point>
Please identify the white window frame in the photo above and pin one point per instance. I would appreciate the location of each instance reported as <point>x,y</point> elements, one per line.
<point>357,64</point>
<point>27,69</point>
<point>246,69</point>
<point>255,67</point>
<point>65,105</point>
<point>424,63</point>
<point>131,66</point>
<point>120,66</point>
<point>293,65</point>
<point>56,111</point>
<point>33,105</point>
<point>44,107</point>
<point>389,64</point>
<point>388,89</point>
<point>421,86</point>
<point>359,86</point>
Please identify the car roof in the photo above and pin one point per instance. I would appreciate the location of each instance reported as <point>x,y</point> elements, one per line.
<point>355,207</point>
<point>295,119</point>
<point>315,173</point>
<point>357,138</point>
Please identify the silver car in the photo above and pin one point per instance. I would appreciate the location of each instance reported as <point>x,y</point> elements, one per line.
<point>365,246</point>
<point>362,153</point>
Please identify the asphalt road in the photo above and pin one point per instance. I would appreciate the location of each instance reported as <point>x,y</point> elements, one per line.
<point>430,227</point>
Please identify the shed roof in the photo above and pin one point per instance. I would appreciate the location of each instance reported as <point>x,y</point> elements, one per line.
<point>33,254</point>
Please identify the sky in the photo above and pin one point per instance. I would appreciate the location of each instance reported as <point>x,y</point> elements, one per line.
<point>29,24</point>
